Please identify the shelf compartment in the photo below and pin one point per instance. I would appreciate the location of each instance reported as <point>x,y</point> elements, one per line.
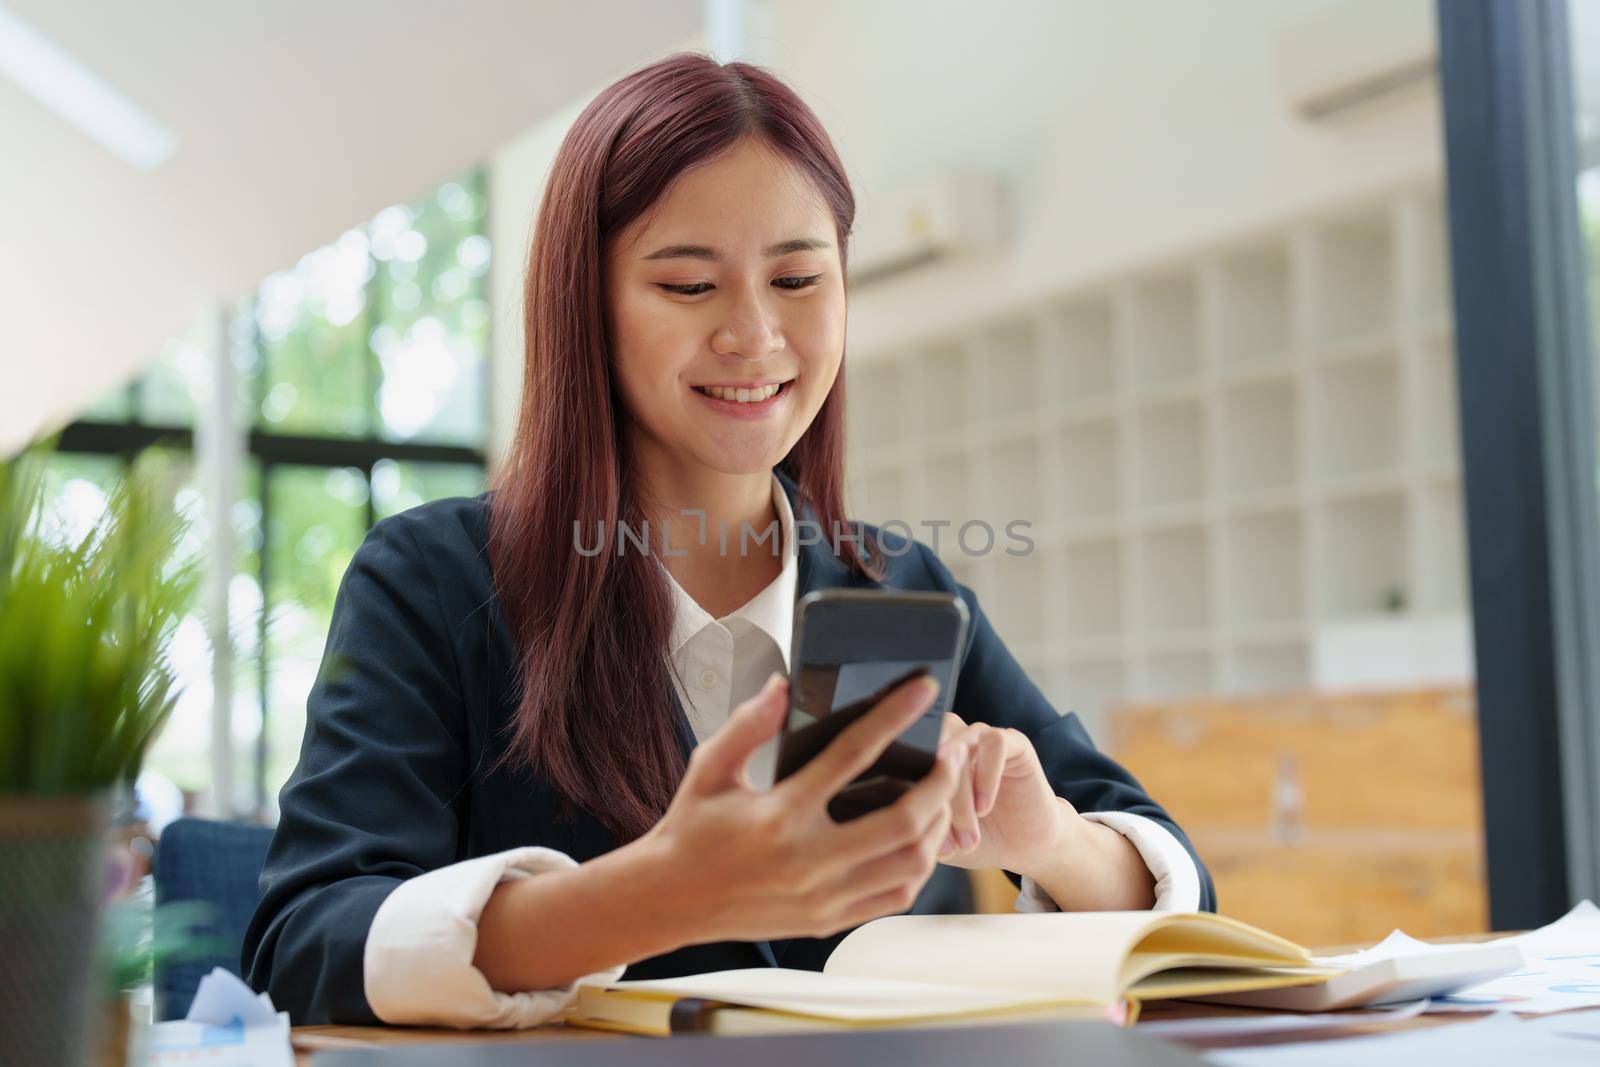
<point>1276,667</point>
<point>1171,456</point>
<point>1175,579</point>
<point>1087,350</point>
<point>875,404</point>
<point>1392,651</point>
<point>1443,584</point>
<point>1052,682</point>
<point>1354,272</point>
<point>1023,588</point>
<point>1169,675</point>
<point>1253,306</point>
<point>1086,470</point>
<point>1264,568</point>
<point>1357,424</point>
<point>1092,687</point>
<point>945,392</point>
<point>1362,571</point>
<point>1011,476</point>
<point>1434,298</point>
<point>946,492</point>
<point>1010,369</point>
<point>881,496</point>
<point>1260,437</point>
<point>963,568</point>
<point>1163,330</point>
<point>1091,589</point>
<point>1441,419</point>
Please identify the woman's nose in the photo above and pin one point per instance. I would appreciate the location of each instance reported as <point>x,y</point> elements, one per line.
<point>750,333</point>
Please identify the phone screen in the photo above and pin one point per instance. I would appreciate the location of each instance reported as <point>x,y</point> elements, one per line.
<point>850,653</point>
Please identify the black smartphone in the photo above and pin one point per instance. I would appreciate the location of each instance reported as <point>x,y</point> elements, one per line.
<point>850,648</point>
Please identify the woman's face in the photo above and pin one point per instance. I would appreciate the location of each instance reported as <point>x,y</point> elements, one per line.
<point>729,287</point>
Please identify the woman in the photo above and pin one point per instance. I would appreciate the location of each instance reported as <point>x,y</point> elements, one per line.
<point>537,754</point>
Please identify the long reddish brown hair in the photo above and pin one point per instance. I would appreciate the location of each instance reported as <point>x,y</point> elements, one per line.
<point>594,716</point>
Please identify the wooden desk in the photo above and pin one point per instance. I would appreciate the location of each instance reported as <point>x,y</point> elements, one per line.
<point>308,1039</point>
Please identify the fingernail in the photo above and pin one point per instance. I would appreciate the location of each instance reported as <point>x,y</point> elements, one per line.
<point>946,848</point>
<point>984,803</point>
<point>930,684</point>
<point>967,839</point>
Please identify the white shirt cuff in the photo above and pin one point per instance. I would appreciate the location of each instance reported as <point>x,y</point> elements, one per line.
<point>417,964</point>
<point>1176,874</point>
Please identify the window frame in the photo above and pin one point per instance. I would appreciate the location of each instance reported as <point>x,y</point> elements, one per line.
<point>1525,368</point>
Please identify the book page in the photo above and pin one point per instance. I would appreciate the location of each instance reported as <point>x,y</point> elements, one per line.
<point>1092,956</point>
<point>828,996</point>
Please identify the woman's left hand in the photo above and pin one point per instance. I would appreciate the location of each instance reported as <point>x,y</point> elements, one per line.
<point>1008,815</point>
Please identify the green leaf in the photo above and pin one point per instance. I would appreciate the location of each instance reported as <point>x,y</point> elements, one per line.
<point>85,630</point>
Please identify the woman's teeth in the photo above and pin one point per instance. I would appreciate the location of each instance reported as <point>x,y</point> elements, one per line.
<point>741,396</point>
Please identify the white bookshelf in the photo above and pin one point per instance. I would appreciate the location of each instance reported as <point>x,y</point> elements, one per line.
<point>1087,463</point>
<point>1222,457</point>
<point>1356,425</point>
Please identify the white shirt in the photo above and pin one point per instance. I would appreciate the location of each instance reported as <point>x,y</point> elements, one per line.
<point>418,958</point>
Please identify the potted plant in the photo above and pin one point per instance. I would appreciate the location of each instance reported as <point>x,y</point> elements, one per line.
<point>137,936</point>
<point>85,684</point>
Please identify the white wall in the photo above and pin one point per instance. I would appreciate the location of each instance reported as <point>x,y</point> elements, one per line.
<point>295,120</point>
<point>1134,130</point>
<point>516,183</point>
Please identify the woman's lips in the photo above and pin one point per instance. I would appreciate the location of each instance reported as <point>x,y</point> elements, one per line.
<point>749,409</point>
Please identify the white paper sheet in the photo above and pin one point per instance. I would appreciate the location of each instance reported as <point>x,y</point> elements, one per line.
<point>1563,971</point>
<point>230,1045</point>
<point>1397,945</point>
<point>221,997</point>
<point>1498,1041</point>
<point>1584,1024</point>
<point>228,1025</point>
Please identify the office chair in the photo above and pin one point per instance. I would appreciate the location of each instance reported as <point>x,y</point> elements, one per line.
<point>217,865</point>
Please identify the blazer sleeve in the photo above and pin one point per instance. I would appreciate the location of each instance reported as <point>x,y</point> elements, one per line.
<point>376,797</point>
<point>993,688</point>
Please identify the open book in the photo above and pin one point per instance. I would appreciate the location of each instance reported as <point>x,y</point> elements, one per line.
<point>951,969</point>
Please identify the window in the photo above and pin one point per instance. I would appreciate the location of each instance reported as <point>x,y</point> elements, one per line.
<point>362,378</point>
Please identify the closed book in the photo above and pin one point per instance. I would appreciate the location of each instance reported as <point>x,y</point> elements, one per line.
<point>1416,972</point>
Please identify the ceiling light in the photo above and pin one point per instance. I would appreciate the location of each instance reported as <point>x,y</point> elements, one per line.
<point>52,76</point>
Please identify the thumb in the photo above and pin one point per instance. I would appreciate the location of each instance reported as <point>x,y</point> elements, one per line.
<point>719,761</point>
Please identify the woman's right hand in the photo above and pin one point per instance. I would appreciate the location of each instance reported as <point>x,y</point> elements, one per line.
<point>741,864</point>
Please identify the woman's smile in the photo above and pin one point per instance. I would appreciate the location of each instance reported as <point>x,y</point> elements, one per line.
<point>744,400</point>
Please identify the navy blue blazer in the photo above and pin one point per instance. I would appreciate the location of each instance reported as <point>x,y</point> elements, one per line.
<point>394,779</point>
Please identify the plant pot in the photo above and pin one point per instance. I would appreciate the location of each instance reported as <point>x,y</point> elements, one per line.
<point>52,872</point>
<point>116,1031</point>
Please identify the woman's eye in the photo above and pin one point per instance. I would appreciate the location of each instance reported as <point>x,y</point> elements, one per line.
<point>800,282</point>
<point>791,284</point>
<point>686,290</point>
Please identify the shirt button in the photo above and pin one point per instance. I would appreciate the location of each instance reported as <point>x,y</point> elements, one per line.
<point>708,678</point>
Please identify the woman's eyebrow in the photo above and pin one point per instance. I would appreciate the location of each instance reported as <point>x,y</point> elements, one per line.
<point>782,248</point>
